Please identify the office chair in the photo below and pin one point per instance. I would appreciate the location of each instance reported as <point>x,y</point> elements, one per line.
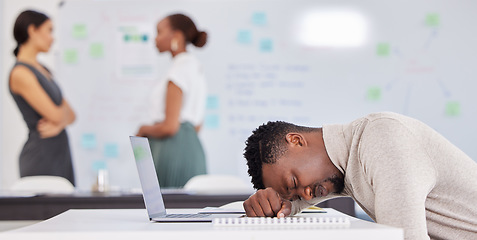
<point>43,184</point>
<point>217,184</point>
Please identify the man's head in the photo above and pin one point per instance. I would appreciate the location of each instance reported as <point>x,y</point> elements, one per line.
<point>292,160</point>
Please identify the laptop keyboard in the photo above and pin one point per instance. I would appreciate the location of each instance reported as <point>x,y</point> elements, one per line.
<point>187,215</point>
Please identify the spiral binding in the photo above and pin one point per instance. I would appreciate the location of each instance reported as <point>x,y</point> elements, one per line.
<point>268,221</point>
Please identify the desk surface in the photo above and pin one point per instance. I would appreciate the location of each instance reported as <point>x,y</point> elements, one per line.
<point>130,224</point>
<point>46,206</point>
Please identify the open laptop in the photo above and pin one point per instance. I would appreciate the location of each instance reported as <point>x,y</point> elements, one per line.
<point>152,192</point>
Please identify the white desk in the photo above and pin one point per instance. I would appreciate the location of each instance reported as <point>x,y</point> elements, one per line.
<point>133,224</point>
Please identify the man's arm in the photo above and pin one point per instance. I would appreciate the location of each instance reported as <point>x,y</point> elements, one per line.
<point>267,203</point>
<point>401,174</point>
<point>300,205</point>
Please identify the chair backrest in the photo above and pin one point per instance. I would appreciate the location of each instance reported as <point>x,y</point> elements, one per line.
<point>43,184</point>
<point>213,184</point>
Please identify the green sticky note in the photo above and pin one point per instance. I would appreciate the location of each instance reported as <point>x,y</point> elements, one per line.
<point>432,19</point>
<point>96,50</point>
<point>79,31</point>
<point>136,38</point>
<point>373,94</point>
<point>70,56</point>
<point>453,108</point>
<point>383,49</point>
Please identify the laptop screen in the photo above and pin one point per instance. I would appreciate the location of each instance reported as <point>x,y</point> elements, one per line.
<point>147,176</point>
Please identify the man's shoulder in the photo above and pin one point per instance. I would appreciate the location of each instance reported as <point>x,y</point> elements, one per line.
<point>385,116</point>
<point>389,119</point>
<point>380,123</point>
<point>385,121</point>
<point>371,124</point>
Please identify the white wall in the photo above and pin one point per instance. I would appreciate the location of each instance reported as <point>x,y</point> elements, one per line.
<point>13,129</point>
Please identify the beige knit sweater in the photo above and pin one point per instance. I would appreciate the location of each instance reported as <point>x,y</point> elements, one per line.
<point>404,174</point>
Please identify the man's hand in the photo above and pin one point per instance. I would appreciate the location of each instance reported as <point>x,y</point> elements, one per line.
<point>267,203</point>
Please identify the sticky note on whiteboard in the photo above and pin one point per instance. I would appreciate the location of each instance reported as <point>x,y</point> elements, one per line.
<point>244,37</point>
<point>70,56</point>
<point>111,150</point>
<point>96,50</point>
<point>212,121</point>
<point>99,164</point>
<point>373,94</point>
<point>80,31</point>
<point>383,49</point>
<point>453,109</point>
<point>266,45</point>
<point>432,20</point>
<point>259,18</point>
<point>212,102</point>
<point>88,141</point>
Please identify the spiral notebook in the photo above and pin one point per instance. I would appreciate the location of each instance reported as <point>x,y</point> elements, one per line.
<point>289,221</point>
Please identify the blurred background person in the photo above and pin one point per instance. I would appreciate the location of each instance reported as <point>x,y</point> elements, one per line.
<point>178,105</point>
<point>40,101</point>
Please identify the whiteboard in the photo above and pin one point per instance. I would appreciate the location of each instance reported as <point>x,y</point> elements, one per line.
<point>414,58</point>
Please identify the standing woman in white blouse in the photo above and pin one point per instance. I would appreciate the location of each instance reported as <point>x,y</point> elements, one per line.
<point>178,105</point>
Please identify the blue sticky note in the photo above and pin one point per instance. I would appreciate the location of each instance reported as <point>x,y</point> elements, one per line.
<point>259,18</point>
<point>88,141</point>
<point>212,102</point>
<point>244,36</point>
<point>266,45</point>
<point>99,164</point>
<point>212,121</point>
<point>111,150</point>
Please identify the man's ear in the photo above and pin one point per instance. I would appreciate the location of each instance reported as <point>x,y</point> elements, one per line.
<point>296,139</point>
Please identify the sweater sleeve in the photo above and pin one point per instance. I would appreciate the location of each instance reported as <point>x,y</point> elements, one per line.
<point>401,175</point>
<point>299,205</point>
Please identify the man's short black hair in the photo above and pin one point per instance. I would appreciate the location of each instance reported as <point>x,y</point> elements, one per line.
<point>267,144</point>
